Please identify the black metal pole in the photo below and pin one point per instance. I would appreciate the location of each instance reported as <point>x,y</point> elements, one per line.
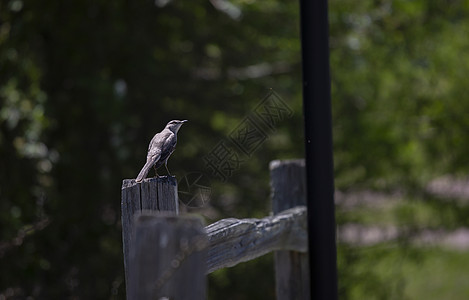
<point>319,159</point>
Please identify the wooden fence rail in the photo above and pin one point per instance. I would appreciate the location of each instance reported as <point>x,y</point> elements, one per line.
<point>232,241</point>
<point>167,256</point>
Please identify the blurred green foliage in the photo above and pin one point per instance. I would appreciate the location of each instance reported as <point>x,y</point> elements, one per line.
<point>84,85</point>
<point>398,87</point>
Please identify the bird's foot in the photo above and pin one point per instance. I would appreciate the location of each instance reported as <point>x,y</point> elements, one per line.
<point>156,173</point>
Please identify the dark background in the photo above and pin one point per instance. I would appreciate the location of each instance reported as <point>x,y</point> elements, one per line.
<point>84,85</point>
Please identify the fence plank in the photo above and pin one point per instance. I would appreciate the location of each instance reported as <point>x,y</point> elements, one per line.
<point>291,267</point>
<point>154,194</point>
<point>233,241</point>
<point>167,194</point>
<point>168,258</point>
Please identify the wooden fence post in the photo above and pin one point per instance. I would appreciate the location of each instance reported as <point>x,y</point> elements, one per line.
<point>289,190</point>
<point>153,194</point>
<point>168,258</point>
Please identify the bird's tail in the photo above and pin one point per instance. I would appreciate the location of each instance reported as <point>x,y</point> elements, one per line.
<point>143,173</point>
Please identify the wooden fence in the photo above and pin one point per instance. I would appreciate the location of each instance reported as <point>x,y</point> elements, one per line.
<point>167,255</point>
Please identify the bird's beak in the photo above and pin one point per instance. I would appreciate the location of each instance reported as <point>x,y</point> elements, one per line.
<point>183,121</point>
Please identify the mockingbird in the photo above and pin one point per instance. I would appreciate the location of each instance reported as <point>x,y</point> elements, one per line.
<point>160,149</point>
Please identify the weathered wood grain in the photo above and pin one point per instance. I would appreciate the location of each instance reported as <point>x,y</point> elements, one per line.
<point>232,241</point>
<point>288,184</point>
<point>153,194</point>
<point>168,258</point>
<point>130,205</point>
<point>167,194</point>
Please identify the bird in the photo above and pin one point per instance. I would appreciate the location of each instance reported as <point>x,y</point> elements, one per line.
<point>161,146</point>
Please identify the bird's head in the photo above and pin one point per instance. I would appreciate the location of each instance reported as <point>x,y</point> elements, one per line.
<point>174,125</point>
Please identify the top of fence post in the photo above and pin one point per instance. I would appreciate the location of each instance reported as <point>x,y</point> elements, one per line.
<point>287,182</point>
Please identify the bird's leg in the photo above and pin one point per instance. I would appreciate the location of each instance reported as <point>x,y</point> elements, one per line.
<point>166,166</point>
<point>156,173</point>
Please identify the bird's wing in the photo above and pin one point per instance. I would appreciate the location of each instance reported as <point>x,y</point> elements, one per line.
<point>168,148</point>
<point>159,141</point>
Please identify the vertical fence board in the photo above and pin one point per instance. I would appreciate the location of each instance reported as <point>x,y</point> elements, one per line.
<point>168,258</point>
<point>130,205</point>
<point>153,194</point>
<point>149,194</point>
<point>167,189</point>
<point>289,190</point>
